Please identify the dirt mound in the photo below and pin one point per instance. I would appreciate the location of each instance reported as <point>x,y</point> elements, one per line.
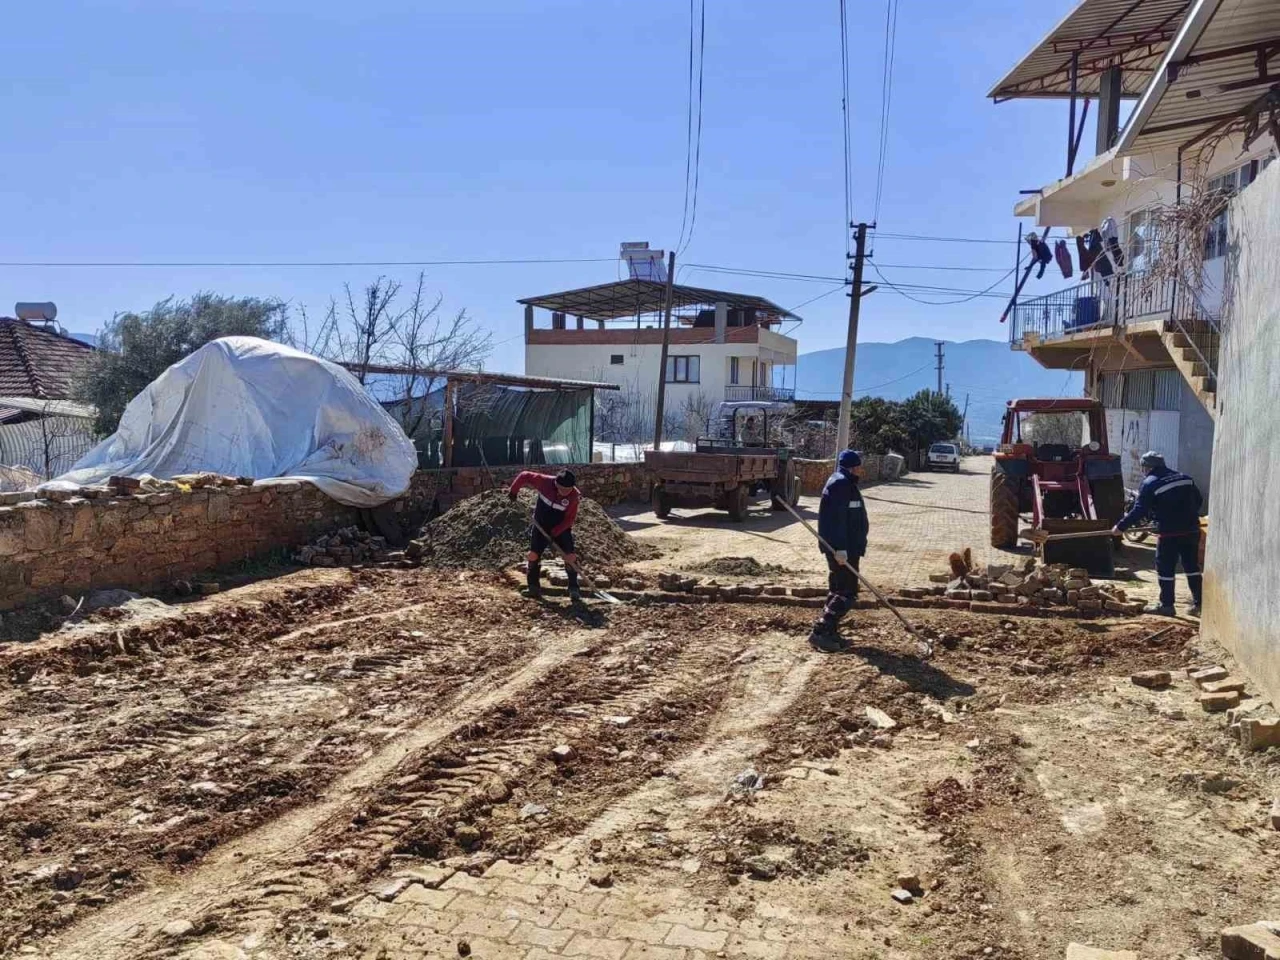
<point>737,567</point>
<point>488,530</point>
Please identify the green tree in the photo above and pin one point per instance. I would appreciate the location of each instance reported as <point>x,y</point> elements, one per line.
<point>135,348</point>
<point>876,425</point>
<point>930,416</point>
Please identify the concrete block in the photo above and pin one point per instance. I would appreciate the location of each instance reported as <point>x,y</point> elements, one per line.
<point>1229,685</point>
<point>1258,734</point>
<point>1209,675</point>
<point>1152,679</point>
<point>1219,702</point>
<point>1254,941</point>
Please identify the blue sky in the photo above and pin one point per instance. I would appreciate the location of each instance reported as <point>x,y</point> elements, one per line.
<point>195,130</point>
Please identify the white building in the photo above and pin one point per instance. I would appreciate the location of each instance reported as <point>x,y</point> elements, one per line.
<point>1148,343</point>
<point>722,346</point>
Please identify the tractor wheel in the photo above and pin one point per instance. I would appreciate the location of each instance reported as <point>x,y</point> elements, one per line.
<point>1004,510</point>
<point>737,505</point>
<point>794,499</point>
<point>661,504</point>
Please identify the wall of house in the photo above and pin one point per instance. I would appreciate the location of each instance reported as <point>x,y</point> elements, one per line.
<point>1242,604</point>
<point>50,548</point>
<point>638,371</point>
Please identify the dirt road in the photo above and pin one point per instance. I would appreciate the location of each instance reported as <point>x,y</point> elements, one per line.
<point>366,764</point>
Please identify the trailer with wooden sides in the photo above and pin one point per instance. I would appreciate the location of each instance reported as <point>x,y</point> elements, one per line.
<point>724,480</point>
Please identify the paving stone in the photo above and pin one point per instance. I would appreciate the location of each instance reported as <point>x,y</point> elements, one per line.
<point>1229,685</point>
<point>1152,679</point>
<point>740,946</point>
<point>583,945</point>
<point>1257,733</point>
<point>682,936</point>
<point>647,930</point>
<point>536,936</point>
<point>572,919</point>
<point>647,951</point>
<point>427,875</point>
<point>1219,702</point>
<point>436,899</point>
<point>479,926</point>
<point>1078,951</point>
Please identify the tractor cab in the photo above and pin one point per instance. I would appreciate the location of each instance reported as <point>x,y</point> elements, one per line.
<point>1053,463</point>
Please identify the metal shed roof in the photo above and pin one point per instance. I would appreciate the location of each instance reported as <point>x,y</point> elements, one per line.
<point>1215,70</point>
<point>626,298</point>
<point>1131,34</point>
<point>480,376</point>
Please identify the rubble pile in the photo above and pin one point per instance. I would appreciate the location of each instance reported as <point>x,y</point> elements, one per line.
<point>348,545</point>
<point>488,530</point>
<point>1028,585</point>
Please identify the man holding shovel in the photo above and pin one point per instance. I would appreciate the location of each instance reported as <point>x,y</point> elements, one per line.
<point>555,511</point>
<point>842,524</point>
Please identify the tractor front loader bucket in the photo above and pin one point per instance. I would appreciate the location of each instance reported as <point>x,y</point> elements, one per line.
<point>1092,553</point>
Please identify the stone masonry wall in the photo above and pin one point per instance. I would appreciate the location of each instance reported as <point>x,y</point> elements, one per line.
<point>50,548</point>
<point>813,473</point>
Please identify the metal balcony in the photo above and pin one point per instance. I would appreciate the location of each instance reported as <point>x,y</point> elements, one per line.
<point>1112,302</point>
<point>783,394</point>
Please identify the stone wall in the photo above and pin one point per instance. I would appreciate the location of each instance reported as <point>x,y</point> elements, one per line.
<point>813,473</point>
<point>1241,602</point>
<point>144,541</point>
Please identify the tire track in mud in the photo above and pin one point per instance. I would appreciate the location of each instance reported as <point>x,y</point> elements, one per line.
<point>277,738</point>
<point>240,864</point>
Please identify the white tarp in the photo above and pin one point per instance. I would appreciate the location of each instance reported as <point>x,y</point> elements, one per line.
<point>246,407</point>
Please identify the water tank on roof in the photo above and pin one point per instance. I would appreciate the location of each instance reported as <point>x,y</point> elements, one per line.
<point>35,311</point>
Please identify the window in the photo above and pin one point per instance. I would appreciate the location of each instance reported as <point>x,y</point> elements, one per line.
<point>733,371</point>
<point>615,359</point>
<point>1142,243</point>
<point>1227,186</point>
<point>683,369</point>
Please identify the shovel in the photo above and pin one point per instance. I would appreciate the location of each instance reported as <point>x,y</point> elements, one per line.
<point>926,648</point>
<point>585,579</point>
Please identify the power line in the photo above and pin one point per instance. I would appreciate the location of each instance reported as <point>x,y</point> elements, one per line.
<point>935,239</point>
<point>688,134</point>
<point>886,94</point>
<point>697,156</point>
<point>301,263</point>
<point>844,111</point>
<point>901,288</point>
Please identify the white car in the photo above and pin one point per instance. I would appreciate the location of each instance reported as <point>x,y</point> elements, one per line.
<point>943,456</point>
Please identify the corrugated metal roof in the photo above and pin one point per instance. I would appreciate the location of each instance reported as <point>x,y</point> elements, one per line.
<point>1216,47</point>
<point>1132,34</point>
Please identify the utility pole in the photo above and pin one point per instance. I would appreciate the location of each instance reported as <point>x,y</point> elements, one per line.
<point>948,391</point>
<point>851,344</point>
<point>666,342</point>
<point>938,344</point>
<point>964,419</point>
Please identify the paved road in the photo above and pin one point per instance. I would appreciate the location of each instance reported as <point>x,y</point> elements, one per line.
<point>916,523</point>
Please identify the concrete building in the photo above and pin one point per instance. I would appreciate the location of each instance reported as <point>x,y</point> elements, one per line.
<point>723,345</point>
<point>1146,341</point>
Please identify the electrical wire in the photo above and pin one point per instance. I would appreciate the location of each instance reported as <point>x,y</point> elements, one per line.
<point>301,263</point>
<point>844,112</point>
<point>900,289</point>
<point>886,96</point>
<point>688,134</point>
<point>936,239</point>
<point>697,155</point>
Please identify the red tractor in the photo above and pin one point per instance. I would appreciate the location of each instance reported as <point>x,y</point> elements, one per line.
<point>1053,463</point>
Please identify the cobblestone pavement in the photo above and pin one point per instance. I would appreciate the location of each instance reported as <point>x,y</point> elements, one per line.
<point>916,523</point>
<point>529,912</point>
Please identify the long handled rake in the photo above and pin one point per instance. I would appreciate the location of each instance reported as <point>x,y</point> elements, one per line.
<point>926,648</point>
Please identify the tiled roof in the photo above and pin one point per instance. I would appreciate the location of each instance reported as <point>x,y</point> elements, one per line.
<point>36,362</point>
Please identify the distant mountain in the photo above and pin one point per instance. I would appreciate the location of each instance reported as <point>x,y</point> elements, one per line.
<point>987,370</point>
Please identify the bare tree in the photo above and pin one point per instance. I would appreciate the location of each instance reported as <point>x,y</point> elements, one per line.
<point>386,328</point>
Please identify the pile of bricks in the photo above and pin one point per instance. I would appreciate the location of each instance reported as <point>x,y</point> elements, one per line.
<point>349,545</point>
<point>1001,586</point>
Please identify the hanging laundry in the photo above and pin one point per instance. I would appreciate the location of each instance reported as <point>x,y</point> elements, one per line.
<point>1085,256</point>
<point>1063,256</point>
<point>1114,252</point>
<point>1108,229</point>
<point>1040,253</point>
<point>1101,265</point>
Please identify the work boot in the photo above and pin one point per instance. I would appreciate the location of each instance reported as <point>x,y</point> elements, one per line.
<point>533,581</point>
<point>575,595</point>
<point>1193,610</point>
<point>826,638</point>
<point>1160,609</point>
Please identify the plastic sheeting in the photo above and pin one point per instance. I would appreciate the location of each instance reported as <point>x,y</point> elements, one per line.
<point>245,407</point>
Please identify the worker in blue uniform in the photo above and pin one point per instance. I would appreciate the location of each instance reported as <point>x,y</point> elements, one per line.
<point>1174,501</point>
<point>842,525</point>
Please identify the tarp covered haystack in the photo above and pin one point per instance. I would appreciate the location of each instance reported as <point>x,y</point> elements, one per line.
<point>246,407</point>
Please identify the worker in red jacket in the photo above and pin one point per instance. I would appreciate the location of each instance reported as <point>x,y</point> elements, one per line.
<point>555,512</point>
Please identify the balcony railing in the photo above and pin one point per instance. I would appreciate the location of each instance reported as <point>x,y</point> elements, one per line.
<point>1112,302</point>
<point>784,394</point>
